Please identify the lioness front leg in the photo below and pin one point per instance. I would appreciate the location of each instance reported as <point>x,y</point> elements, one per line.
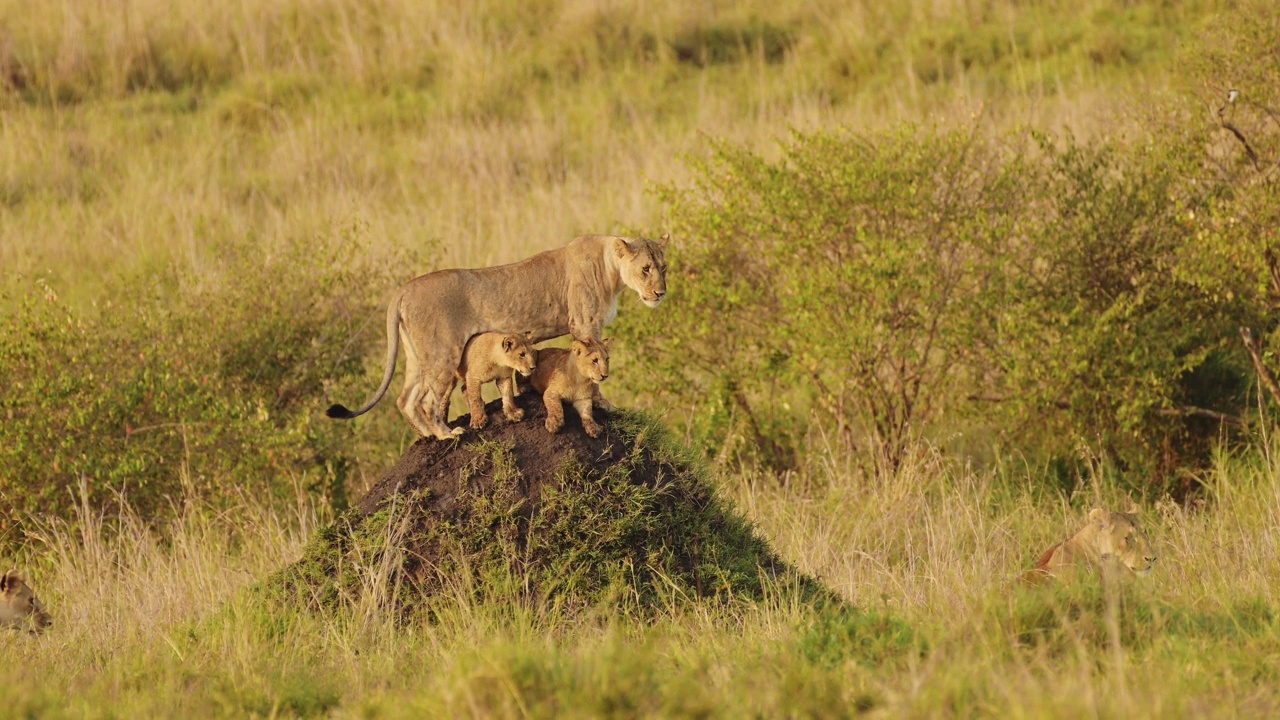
<point>507,387</point>
<point>555,411</point>
<point>475,403</point>
<point>599,400</point>
<point>588,422</point>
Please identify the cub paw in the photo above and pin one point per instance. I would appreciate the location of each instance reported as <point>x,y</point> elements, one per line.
<point>515,415</point>
<point>593,430</point>
<point>479,422</point>
<point>553,426</point>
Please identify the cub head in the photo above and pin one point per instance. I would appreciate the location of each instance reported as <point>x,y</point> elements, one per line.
<point>19,606</point>
<point>592,359</point>
<point>1119,535</point>
<point>518,353</point>
<point>643,264</point>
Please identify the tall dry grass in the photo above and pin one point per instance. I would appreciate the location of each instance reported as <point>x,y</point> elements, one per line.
<point>149,626</point>
<point>141,132</point>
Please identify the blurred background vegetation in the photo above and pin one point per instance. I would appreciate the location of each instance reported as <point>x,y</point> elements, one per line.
<point>996,227</point>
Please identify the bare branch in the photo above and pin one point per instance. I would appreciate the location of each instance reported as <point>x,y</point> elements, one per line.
<point>1264,374</point>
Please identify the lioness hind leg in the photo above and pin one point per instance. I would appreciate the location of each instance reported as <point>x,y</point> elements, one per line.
<point>440,388</point>
<point>588,422</point>
<point>507,387</point>
<point>412,395</point>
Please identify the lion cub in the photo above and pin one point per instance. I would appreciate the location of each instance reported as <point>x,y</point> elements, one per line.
<point>573,376</point>
<point>19,606</point>
<point>1110,541</point>
<point>488,357</point>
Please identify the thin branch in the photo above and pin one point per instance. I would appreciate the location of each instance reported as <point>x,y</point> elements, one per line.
<point>1193,411</point>
<point>1264,374</point>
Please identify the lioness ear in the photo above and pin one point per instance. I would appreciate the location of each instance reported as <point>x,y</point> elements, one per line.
<point>622,248</point>
<point>528,335</point>
<point>1098,515</point>
<point>9,581</point>
<point>509,343</point>
<point>1133,506</point>
<point>664,241</point>
<point>607,342</point>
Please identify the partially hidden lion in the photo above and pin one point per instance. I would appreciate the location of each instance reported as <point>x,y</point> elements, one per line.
<point>492,357</point>
<point>573,375</point>
<point>572,289</point>
<point>19,606</point>
<point>1109,541</point>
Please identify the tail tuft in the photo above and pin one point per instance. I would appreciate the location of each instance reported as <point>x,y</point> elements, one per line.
<point>339,411</point>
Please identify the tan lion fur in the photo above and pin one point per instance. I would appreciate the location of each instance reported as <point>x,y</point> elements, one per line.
<point>19,606</point>
<point>572,289</point>
<point>573,375</point>
<point>492,357</point>
<point>1108,541</point>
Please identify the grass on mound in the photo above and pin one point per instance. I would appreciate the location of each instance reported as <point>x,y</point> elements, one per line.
<point>560,523</point>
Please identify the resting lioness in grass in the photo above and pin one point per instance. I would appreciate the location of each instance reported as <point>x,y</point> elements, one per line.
<point>573,376</point>
<point>1110,540</point>
<point>573,289</point>
<point>489,357</point>
<point>19,606</point>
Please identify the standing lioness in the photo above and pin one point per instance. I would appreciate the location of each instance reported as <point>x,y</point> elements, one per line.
<point>573,289</point>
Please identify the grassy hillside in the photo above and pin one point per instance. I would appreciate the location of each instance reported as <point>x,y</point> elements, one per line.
<point>153,131</point>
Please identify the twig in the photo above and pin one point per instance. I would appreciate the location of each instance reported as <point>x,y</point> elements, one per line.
<point>1268,380</point>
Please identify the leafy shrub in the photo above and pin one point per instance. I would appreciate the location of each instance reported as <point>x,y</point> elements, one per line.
<point>171,387</point>
<point>847,282</point>
<point>876,287</point>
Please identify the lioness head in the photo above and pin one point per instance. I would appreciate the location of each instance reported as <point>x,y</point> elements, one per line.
<point>1119,535</point>
<point>19,606</point>
<point>644,266</point>
<point>518,352</point>
<point>592,359</point>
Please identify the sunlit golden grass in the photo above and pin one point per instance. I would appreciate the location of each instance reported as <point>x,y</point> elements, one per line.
<point>153,626</point>
<point>138,133</point>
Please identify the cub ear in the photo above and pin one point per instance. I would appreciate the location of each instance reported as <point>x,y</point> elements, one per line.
<point>509,343</point>
<point>622,248</point>
<point>1099,516</point>
<point>579,347</point>
<point>664,241</point>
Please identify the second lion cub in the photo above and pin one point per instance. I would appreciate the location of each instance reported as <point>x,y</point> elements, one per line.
<point>492,356</point>
<point>573,375</point>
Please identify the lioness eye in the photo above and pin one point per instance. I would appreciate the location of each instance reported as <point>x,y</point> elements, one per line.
<point>595,361</point>
<point>645,270</point>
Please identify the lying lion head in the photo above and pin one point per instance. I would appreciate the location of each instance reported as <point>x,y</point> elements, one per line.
<point>1119,536</point>
<point>644,267</point>
<point>19,606</point>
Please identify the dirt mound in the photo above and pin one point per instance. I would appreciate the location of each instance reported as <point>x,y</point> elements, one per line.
<point>628,518</point>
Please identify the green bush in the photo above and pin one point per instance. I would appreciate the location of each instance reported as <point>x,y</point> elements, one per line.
<point>178,387</point>
<point>847,282</point>
<point>877,288</point>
